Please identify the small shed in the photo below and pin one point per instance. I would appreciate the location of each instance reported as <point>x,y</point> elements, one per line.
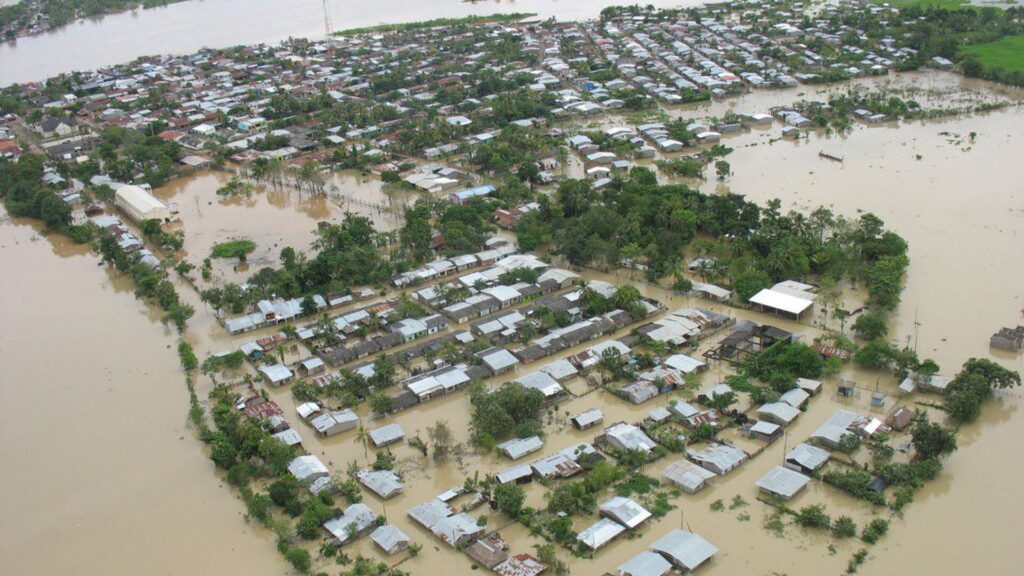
<point>383,483</point>
<point>585,420</point>
<point>766,431</point>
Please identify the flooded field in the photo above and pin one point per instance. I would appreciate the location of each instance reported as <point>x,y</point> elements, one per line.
<point>127,456</point>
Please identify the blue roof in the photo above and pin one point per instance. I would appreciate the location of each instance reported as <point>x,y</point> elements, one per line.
<point>475,191</point>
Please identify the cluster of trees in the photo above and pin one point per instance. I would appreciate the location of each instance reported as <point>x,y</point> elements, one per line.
<point>126,152</point>
<point>973,385</point>
<point>25,194</point>
<point>150,283</point>
<point>510,410</point>
<point>639,220</point>
<point>783,362</point>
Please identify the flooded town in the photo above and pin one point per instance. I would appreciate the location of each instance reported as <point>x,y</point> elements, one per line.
<point>575,289</point>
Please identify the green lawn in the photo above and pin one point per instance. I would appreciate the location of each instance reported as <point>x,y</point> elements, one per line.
<point>1007,53</point>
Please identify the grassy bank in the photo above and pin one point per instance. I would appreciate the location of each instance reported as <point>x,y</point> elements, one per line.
<point>1007,53</point>
<point>511,17</point>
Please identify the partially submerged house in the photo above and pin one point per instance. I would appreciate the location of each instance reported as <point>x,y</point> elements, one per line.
<point>718,458</point>
<point>383,483</point>
<point>600,533</point>
<point>516,448</point>
<point>625,511</point>
<point>308,469</point>
<point>645,563</point>
<point>687,476</point>
<point>684,550</point>
<point>387,434</point>
<point>356,521</point>
<point>782,482</point>
<point>589,418</point>
<point>390,539</point>
<point>806,458</point>
<point>628,437</point>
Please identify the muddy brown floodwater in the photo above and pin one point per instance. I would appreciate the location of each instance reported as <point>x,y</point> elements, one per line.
<point>102,475</point>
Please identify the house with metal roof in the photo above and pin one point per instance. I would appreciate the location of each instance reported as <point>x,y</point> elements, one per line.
<point>307,469</point>
<point>519,474</point>
<point>457,529</point>
<point>560,370</point>
<point>541,381</point>
<point>589,418</point>
<point>628,437</point>
<point>795,397</point>
<point>639,392</point>
<point>812,387</point>
<point>334,422</point>
<point>488,551</point>
<point>289,436</point>
<point>788,298</point>
<point>625,511</point>
<point>602,532</point>
<point>645,563</point>
<point>682,409</point>
<point>383,483</point>
<point>766,431</point>
<point>277,374</point>
<point>684,549</point>
<point>387,434</point>
<point>779,413</point>
<point>430,513</point>
<point>516,448</point>
<point>684,363</point>
<point>354,522</point>
<point>782,482</point>
<point>806,458</point>
<point>686,475</point>
<point>498,360</point>
<point>718,458</point>
<point>832,431</point>
<point>521,565</point>
<point>390,539</point>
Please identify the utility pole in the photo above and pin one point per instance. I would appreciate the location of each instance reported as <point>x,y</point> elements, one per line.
<point>328,30</point>
<point>916,326</point>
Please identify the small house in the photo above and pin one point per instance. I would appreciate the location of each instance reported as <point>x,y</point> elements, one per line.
<point>683,549</point>
<point>390,539</point>
<point>782,482</point>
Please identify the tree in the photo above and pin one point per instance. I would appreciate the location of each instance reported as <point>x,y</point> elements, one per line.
<point>362,435</point>
<point>509,499</point>
<point>380,403</point>
<point>932,440</point>
<point>813,516</point>
<point>844,527</point>
<point>441,437</point>
<point>722,169</point>
<point>870,326</point>
<point>877,354</point>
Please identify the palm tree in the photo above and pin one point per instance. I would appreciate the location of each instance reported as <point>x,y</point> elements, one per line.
<point>441,436</point>
<point>362,435</point>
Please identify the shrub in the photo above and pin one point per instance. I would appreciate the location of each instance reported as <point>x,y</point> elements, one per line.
<point>875,530</point>
<point>844,527</point>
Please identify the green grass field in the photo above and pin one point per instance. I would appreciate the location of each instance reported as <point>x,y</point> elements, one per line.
<point>1007,53</point>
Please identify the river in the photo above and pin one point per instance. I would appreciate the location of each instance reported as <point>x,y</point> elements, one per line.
<point>185,27</point>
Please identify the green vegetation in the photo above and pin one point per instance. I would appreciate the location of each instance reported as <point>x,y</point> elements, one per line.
<point>813,516</point>
<point>1005,55</point>
<point>973,385</point>
<point>233,249</point>
<point>150,283</point>
<point>874,531</point>
<point>510,410</point>
<point>449,22</point>
<point>844,527</point>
